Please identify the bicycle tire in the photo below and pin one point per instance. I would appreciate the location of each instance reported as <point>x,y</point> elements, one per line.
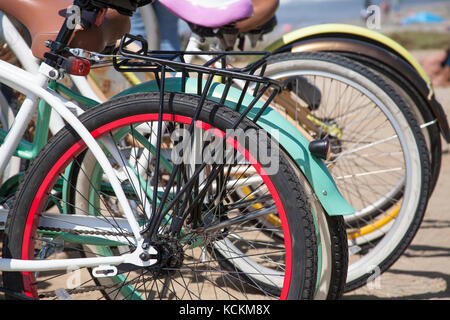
<point>333,247</point>
<point>297,222</point>
<point>418,106</point>
<point>413,146</point>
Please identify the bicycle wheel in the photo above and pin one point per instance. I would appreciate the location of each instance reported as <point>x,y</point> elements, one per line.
<point>417,105</point>
<point>332,244</point>
<point>331,236</point>
<point>191,239</point>
<point>379,156</point>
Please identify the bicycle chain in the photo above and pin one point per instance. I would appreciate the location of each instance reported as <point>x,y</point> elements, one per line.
<point>88,232</point>
<point>52,294</point>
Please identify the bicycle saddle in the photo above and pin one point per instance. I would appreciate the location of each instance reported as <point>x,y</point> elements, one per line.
<point>210,13</point>
<point>44,20</point>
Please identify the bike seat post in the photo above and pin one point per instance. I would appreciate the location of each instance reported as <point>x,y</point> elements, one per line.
<point>61,41</point>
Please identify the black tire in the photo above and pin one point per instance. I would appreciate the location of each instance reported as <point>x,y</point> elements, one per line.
<point>339,251</point>
<point>333,255</point>
<point>397,236</point>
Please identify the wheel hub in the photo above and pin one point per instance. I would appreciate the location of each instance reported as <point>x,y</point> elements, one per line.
<point>170,253</point>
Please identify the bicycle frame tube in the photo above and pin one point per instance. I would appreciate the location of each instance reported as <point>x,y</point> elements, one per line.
<point>64,264</point>
<point>151,26</point>
<point>18,45</point>
<point>25,149</point>
<point>31,64</point>
<point>23,116</point>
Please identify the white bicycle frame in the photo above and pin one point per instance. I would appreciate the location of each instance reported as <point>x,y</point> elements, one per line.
<point>32,82</point>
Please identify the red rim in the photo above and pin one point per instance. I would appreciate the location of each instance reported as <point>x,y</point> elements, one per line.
<point>37,204</point>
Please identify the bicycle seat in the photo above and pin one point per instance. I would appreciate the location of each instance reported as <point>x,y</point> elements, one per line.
<point>210,13</point>
<point>43,20</point>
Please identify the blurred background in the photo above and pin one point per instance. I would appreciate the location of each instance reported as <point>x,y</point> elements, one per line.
<point>416,24</point>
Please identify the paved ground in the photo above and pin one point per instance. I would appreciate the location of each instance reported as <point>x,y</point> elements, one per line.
<point>423,272</point>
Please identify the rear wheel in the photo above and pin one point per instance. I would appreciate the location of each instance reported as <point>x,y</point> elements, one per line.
<point>202,227</point>
<point>379,158</point>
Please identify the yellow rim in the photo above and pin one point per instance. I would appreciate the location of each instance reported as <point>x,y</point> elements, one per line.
<point>376,225</point>
<point>271,218</point>
<point>132,78</point>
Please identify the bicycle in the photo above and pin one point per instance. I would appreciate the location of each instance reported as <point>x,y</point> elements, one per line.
<point>390,215</point>
<point>381,204</point>
<point>316,183</point>
<point>168,247</point>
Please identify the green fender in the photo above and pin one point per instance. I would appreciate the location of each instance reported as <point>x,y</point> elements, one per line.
<point>295,144</point>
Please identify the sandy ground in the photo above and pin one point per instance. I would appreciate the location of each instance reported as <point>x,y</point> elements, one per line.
<point>423,272</point>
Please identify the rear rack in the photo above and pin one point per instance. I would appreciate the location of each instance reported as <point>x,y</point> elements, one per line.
<point>250,80</point>
<point>215,69</point>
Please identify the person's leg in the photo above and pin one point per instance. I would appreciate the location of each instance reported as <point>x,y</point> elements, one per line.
<point>168,26</point>
<point>137,25</point>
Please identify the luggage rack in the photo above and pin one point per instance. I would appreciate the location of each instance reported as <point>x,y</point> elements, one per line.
<point>215,69</point>
<point>253,89</point>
